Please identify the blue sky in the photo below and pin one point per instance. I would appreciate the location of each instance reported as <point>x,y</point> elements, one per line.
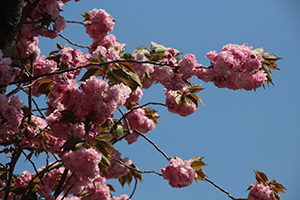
<point>237,131</point>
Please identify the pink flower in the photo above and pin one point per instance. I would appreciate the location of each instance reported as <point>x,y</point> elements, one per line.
<point>187,65</point>
<point>99,24</point>
<point>98,190</point>
<point>261,192</point>
<point>236,67</point>
<point>179,173</point>
<point>117,170</point>
<point>139,121</point>
<point>123,197</point>
<point>184,108</point>
<point>84,162</point>
<point>26,176</point>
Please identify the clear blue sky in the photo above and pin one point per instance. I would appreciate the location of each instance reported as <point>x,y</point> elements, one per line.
<point>237,131</point>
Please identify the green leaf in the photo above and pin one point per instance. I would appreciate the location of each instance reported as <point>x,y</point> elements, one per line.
<point>128,78</point>
<point>71,143</point>
<point>90,72</point>
<point>119,130</point>
<point>78,145</point>
<point>84,193</point>
<point>259,50</point>
<point>196,163</point>
<point>123,180</point>
<point>68,116</point>
<point>195,88</point>
<point>105,162</point>
<point>270,57</point>
<point>179,98</point>
<point>111,188</point>
<point>195,99</point>
<point>54,55</point>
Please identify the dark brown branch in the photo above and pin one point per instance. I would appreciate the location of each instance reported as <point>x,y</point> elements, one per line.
<point>82,67</point>
<point>32,163</point>
<point>60,184</point>
<point>131,168</point>
<point>222,190</point>
<point>12,164</point>
<point>151,142</point>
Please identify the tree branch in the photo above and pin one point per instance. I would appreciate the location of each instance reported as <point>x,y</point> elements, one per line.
<point>222,190</point>
<point>82,67</point>
<point>151,142</point>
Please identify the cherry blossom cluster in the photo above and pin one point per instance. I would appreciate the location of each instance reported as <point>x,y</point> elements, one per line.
<point>138,120</point>
<point>11,116</point>
<point>179,173</point>
<point>98,24</point>
<point>45,20</point>
<point>20,182</point>
<point>261,192</point>
<point>7,73</point>
<point>97,101</point>
<point>183,108</point>
<point>166,75</point>
<point>236,67</point>
<point>116,170</point>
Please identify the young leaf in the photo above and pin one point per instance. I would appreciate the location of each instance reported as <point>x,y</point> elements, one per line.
<point>195,99</point>
<point>270,57</point>
<point>261,177</point>
<point>195,88</point>
<point>91,72</point>
<point>71,143</point>
<point>68,115</point>
<point>179,98</point>
<point>259,50</point>
<point>201,175</point>
<point>127,66</point>
<point>196,163</point>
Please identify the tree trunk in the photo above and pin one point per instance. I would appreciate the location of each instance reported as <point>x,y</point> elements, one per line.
<point>10,15</point>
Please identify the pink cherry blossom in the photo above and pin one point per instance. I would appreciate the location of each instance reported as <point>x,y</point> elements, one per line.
<point>179,173</point>
<point>187,65</point>
<point>261,192</point>
<point>117,170</point>
<point>82,159</point>
<point>184,108</point>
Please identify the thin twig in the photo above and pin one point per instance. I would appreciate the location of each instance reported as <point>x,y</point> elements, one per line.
<point>137,107</point>
<point>73,43</point>
<point>151,142</point>
<point>115,140</point>
<point>222,190</point>
<point>139,171</point>
<point>135,186</point>
<point>37,107</point>
<point>75,22</point>
<point>33,165</point>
